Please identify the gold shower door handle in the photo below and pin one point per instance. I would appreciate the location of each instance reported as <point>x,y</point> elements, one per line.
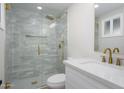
<point>38,50</point>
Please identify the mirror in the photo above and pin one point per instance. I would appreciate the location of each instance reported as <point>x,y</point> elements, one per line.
<point>109,26</point>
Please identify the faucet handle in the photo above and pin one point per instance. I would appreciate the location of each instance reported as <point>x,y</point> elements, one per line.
<point>103,59</point>
<point>118,62</point>
<point>116,49</point>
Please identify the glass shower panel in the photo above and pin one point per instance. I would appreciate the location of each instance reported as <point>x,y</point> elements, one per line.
<point>32,47</point>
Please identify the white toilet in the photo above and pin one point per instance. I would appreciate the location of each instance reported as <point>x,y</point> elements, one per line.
<point>56,81</point>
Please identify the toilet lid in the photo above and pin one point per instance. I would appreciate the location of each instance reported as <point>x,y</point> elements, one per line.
<point>58,78</point>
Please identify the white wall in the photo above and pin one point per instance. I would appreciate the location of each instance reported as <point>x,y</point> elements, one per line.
<point>80,34</point>
<point>111,42</point>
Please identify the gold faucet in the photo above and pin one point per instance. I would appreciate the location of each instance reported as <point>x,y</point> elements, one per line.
<point>118,60</point>
<point>110,54</point>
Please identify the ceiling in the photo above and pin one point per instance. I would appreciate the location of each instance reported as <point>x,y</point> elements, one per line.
<point>106,7</point>
<point>55,9</point>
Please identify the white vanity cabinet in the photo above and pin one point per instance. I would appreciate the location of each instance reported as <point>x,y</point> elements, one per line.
<point>2,17</point>
<point>77,78</point>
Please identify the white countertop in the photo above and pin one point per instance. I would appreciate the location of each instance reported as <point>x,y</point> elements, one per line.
<point>109,72</point>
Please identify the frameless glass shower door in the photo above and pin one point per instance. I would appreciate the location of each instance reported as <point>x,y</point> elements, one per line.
<point>33,51</point>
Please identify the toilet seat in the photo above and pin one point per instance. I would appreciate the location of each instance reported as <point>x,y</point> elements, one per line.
<point>56,81</point>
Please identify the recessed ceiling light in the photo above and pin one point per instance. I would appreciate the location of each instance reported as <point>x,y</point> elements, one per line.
<point>96,5</point>
<point>39,8</point>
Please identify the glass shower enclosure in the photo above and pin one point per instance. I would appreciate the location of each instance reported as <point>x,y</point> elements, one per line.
<point>35,46</point>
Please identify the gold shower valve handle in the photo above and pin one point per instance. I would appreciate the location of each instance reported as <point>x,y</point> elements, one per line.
<point>34,82</point>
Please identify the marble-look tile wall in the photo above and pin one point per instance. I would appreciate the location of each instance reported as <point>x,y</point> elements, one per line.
<point>22,60</point>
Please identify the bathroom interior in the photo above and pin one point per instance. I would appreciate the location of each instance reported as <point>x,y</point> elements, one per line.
<point>61,45</point>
